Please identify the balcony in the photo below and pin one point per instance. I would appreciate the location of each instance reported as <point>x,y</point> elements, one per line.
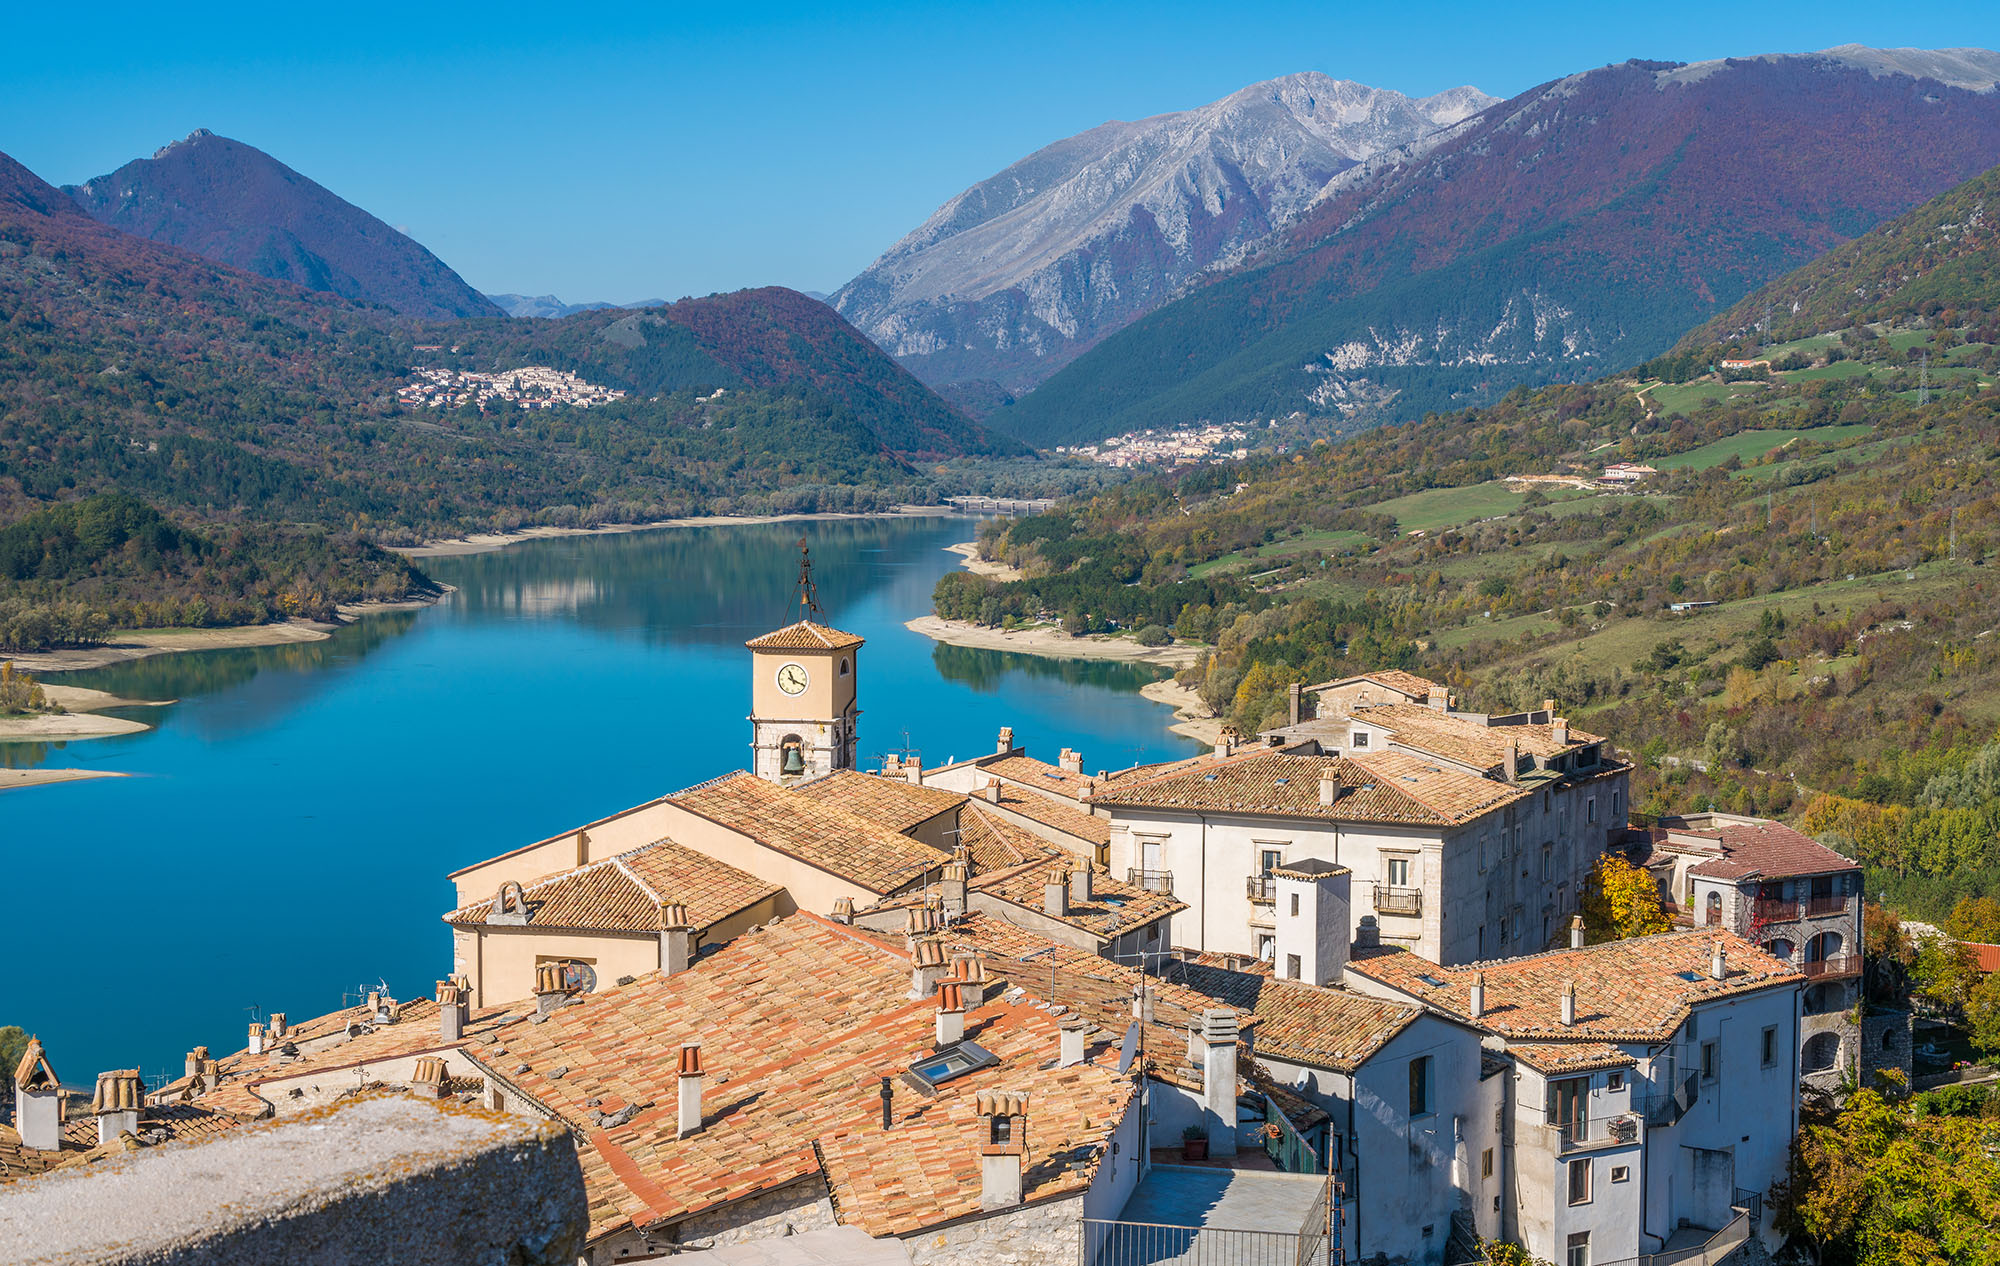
<point>1820,907</point>
<point>1151,880</point>
<point>1774,910</point>
<point>1836,966</point>
<point>1671,1101</point>
<point>1404,901</point>
<point>1597,1131</point>
<point>1261,888</point>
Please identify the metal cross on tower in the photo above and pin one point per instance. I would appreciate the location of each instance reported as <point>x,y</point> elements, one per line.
<point>808,595</point>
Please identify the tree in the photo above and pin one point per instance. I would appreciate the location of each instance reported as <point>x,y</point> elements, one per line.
<point>1982,1014</point>
<point>1975,919</point>
<point>1620,901</point>
<point>1946,973</point>
<point>1153,635</point>
<point>1882,1186</point>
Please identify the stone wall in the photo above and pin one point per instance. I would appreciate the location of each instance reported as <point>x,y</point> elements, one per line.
<point>1886,1042</point>
<point>1044,1234</point>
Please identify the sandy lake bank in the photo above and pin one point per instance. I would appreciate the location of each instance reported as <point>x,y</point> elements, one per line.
<point>487,542</point>
<point>1052,643</point>
<point>12,778</point>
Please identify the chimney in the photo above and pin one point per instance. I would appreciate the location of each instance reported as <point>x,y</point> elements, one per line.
<point>1071,761</point>
<point>1367,933</point>
<point>1055,897</point>
<point>892,766</point>
<point>195,1059</point>
<point>1475,1005</point>
<point>1576,931</point>
<point>211,1075</point>
<point>1070,1048</point>
<point>550,991</point>
<point>1001,1157</point>
<point>451,1010</point>
<point>950,1013</point>
<point>691,1076</point>
<point>676,938</point>
<point>1316,936</point>
<point>256,1038</point>
<point>1559,731</point>
<point>913,769</point>
<point>1218,1085</point>
<point>927,967</point>
<point>277,1026</point>
<point>1718,967</point>
<point>1569,1003</point>
<point>120,1096</point>
<point>1225,742</point>
<point>843,910</point>
<point>1081,878</point>
<point>1438,698</point>
<point>1549,706</point>
<point>954,889</point>
<point>1510,764</point>
<point>38,1103</point>
<point>427,1082</point>
<point>374,1004</point>
<point>990,793</point>
<point>1293,698</point>
<point>1329,789</point>
<point>1006,743</point>
<point>971,976</point>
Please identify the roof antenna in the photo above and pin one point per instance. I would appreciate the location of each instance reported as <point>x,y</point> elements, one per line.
<point>808,594</point>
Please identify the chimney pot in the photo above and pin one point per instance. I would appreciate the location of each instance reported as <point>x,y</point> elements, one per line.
<point>950,1013</point>
<point>277,1025</point>
<point>1569,1002</point>
<point>990,793</point>
<point>256,1038</point>
<point>913,769</point>
<point>1006,742</point>
<point>690,1088</point>
<point>1367,932</point>
<point>427,1079</point>
<point>1718,966</point>
<point>195,1058</point>
<point>1218,1087</point>
<point>452,1010</point>
<point>1510,765</point>
<point>1071,761</point>
<point>1439,698</point>
<point>1576,931</point>
<point>1071,1041</point>
<point>121,1094</point>
<point>38,1100</point>
<point>1476,1004</point>
<point>1293,696</point>
<point>1002,1156</point>
<point>550,990</point>
<point>1559,730</point>
<point>928,965</point>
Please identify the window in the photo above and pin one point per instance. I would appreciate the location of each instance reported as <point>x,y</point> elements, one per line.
<point>1268,860</point>
<point>1420,1086</point>
<point>1361,738</point>
<point>1713,908</point>
<point>1621,1173</point>
<point>1579,1181</point>
<point>1590,809</point>
<point>1002,1132</point>
<point>955,1060</point>
<point>1295,905</point>
<point>1292,966</point>
<point>1267,947</point>
<point>1617,805</point>
<point>1710,1061</point>
<point>1486,1163</point>
<point>1770,1046</point>
<point>1545,802</point>
<point>1569,1106</point>
<point>843,668</point>
<point>1578,1252</point>
<point>1399,872</point>
<point>1548,862</point>
<point>1616,1081</point>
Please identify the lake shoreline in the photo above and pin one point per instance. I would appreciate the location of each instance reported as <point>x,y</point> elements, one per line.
<point>11,779</point>
<point>131,644</point>
<point>488,542</point>
<point>1052,643</point>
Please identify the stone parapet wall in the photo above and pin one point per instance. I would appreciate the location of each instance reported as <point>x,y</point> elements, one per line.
<point>1047,1234</point>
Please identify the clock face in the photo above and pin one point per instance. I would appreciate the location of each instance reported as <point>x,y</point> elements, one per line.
<point>792,679</point>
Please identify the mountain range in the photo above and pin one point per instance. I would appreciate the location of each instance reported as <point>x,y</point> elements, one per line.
<point>1576,228</point>
<point>235,204</point>
<point>1018,274</point>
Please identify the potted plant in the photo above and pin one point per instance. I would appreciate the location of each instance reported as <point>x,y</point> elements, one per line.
<point>1194,1143</point>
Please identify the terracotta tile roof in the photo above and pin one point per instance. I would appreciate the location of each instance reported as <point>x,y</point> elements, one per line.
<point>1763,850</point>
<point>1327,1028</point>
<point>1076,823</point>
<point>888,801</point>
<point>996,843</point>
<point>1394,678</point>
<point>821,835</point>
<point>798,1024</point>
<point>1465,741</point>
<point>804,636</point>
<point>1569,1057</point>
<point>1985,957</point>
<point>1386,787</point>
<point>1052,779</point>
<point>1098,987</point>
<point>1637,990</point>
<point>625,893</point>
<point>1114,908</point>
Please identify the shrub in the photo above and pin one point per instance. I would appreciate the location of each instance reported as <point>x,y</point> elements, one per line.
<point>1154,635</point>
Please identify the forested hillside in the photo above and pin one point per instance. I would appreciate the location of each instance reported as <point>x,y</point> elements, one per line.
<point>1832,520</point>
<point>1581,227</point>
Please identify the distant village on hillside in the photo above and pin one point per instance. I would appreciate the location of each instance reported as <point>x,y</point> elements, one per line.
<point>529,387</point>
<point>1150,448</point>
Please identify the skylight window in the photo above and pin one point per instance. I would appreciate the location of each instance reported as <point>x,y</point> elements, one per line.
<point>1432,981</point>
<point>955,1060</point>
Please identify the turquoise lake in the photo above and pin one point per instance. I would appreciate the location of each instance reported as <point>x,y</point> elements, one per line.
<point>283,840</point>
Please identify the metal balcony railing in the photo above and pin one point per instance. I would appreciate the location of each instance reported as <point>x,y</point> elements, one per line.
<point>1837,965</point>
<point>1671,1102</point>
<point>1399,900</point>
<point>1621,1127</point>
<point>1774,910</point>
<point>1151,880</point>
<point>1261,888</point>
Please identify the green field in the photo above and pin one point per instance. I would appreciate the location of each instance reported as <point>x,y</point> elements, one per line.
<point>1839,369</point>
<point>1749,445</point>
<point>1680,397</point>
<point>1309,542</point>
<point>1450,507</point>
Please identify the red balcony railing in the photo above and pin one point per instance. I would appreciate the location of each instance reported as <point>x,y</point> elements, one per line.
<point>1837,965</point>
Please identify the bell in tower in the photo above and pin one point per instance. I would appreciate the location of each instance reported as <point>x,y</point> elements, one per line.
<point>803,705</point>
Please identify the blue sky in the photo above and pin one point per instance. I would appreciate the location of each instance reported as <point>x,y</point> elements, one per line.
<point>600,151</point>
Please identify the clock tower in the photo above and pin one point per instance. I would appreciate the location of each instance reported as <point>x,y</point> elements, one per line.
<point>802,695</point>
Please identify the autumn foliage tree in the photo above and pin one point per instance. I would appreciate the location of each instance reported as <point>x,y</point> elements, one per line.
<point>1619,901</point>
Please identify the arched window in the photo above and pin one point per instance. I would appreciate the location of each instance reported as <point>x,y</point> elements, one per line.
<point>1821,1053</point>
<point>791,755</point>
<point>1888,1039</point>
<point>1825,946</point>
<point>1713,914</point>
<point>1780,949</point>
<point>843,666</point>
